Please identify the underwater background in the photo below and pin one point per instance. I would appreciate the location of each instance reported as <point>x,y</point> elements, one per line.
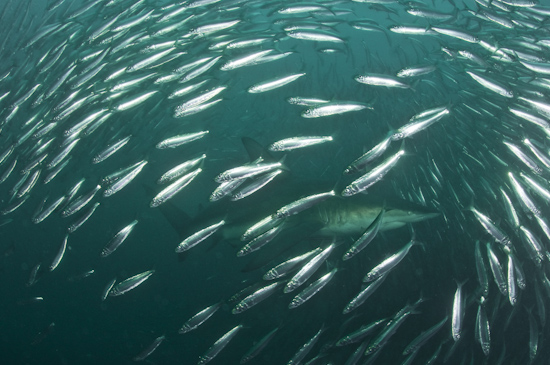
<point>456,92</point>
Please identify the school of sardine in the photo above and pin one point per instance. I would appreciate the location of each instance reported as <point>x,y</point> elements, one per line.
<point>225,181</point>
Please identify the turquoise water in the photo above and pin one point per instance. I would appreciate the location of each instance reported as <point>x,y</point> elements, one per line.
<point>456,163</point>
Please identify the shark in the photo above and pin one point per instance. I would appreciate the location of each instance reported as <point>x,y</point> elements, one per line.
<point>336,217</point>
<point>347,217</point>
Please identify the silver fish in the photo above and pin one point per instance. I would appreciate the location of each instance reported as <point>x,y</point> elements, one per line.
<point>256,184</point>
<point>366,237</point>
<point>259,346</point>
<point>60,254</point>
<point>369,156</point>
<point>306,348</point>
<point>491,228</point>
<point>274,84</point>
<point>287,266</point>
<point>308,269</point>
<point>293,143</point>
<point>150,349</point>
<point>219,345</point>
<point>180,169</point>
<point>381,80</point>
<point>199,318</point>
<point>181,139</point>
<point>496,269</point>
<point>418,124</point>
<point>198,237</point>
<point>107,289</point>
<point>302,204</point>
<point>131,283</point>
<point>174,188</point>
<point>359,334</point>
<point>492,85</point>
<point>123,181</point>
<point>389,263</point>
<point>483,329</point>
<point>363,295</point>
<point>243,172</point>
<point>118,239</point>
<point>311,290</point>
<point>481,270</point>
<point>373,176</point>
<point>333,108</point>
<point>80,202</point>
<point>458,313</point>
<point>260,241</point>
<point>255,298</point>
<point>80,221</point>
<point>110,150</point>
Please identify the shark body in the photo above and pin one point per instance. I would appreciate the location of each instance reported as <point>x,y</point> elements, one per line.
<point>334,217</point>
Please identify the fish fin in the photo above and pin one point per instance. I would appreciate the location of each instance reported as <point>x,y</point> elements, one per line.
<point>336,188</point>
<point>391,131</point>
<point>413,233</point>
<point>461,283</point>
<point>414,240</point>
<point>332,265</point>
<point>337,241</point>
<point>283,166</point>
<point>177,218</point>
<point>414,84</point>
<point>387,34</point>
<point>470,206</point>
<point>402,148</point>
<point>255,150</point>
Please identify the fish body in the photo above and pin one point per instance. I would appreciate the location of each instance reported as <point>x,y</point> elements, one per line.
<point>131,283</point>
<point>458,313</point>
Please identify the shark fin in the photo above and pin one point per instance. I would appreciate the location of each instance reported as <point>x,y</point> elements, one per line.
<point>177,218</point>
<point>255,150</point>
